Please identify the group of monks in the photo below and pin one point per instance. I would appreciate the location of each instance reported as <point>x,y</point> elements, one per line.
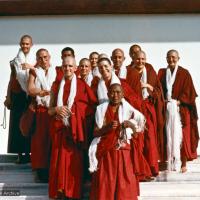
<point>120,123</point>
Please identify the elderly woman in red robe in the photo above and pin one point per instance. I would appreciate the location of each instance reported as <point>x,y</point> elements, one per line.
<point>72,101</point>
<point>181,113</point>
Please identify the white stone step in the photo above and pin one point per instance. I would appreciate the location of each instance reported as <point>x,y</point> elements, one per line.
<point>28,189</point>
<point>7,158</point>
<point>170,189</point>
<point>177,176</point>
<point>24,197</point>
<point>15,167</point>
<point>17,177</point>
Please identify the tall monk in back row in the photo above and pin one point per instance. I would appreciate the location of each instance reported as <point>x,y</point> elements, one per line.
<point>181,113</point>
<point>144,81</point>
<point>72,102</point>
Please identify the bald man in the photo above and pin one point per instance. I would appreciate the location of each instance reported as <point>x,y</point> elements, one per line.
<point>144,81</point>
<point>72,101</point>
<point>118,60</point>
<point>179,93</point>
<point>132,52</point>
<point>39,85</point>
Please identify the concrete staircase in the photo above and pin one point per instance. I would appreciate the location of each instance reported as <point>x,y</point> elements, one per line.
<point>174,185</point>
<point>19,180</point>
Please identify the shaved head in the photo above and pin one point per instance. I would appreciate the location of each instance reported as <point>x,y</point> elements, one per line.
<point>117,50</point>
<point>69,59</point>
<point>172,51</point>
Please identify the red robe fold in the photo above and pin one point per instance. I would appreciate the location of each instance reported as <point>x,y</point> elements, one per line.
<point>40,141</point>
<point>153,109</point>
<point>66,168</point>
<point>115,177</point>
<point>184,91</point>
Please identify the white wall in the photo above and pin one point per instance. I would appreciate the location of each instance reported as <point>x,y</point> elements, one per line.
<point>155,33</point>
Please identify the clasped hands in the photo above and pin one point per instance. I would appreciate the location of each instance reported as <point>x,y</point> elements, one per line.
<point>126,124</point>
<point>146,85</point>
<point>62,111</point>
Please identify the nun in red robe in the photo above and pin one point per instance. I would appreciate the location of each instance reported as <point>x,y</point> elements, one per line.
<point>72,102</point>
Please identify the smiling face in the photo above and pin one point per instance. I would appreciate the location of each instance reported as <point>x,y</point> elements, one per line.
<point>105,69</point>
<point>85,67</point>
<point>133,50</point>
<point>43,59</point>
<point>115,94</point>
<point>117,58</point>
<point>93,59</point>
<point>26,44</point>
<point>172,58</point>
<point>140,60</point>
<point>69,67</point>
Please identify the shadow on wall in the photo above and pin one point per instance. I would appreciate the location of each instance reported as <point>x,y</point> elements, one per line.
<point>101,28</point>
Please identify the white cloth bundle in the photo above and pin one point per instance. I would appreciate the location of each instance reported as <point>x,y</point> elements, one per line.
<point>22,75</point>
<point>123,72</point>
<point>72,94</point>
<point>89,79</point>
<point>145,93</point>
<point>44,81</point>
<point>173,124</point>
<point>126,112</point>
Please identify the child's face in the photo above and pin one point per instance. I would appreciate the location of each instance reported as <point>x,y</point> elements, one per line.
<point>26,45</point>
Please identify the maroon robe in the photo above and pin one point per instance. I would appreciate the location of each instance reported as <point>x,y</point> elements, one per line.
<point>153,109</point>
<point>40,140</point>
<point>184,91</point>
<point>68,143</point>
<point>17,143</point>
<point>141,166</point>
<point>115,177</point>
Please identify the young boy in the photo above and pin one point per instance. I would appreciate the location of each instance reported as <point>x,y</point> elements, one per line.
<point>111,152</point>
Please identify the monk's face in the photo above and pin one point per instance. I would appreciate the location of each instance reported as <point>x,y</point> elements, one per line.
<point>69,67</point>
<point>172,59</point>
<point>133,51</point>
<point>140,60</point>
<point>26,44</point>
<point>94,59</point>
<point>43,59</point>
<point>85,68</point>
<point>117,59</point>
<point>115,94</point>
<point>67,54</point>
<point>105,69</point>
